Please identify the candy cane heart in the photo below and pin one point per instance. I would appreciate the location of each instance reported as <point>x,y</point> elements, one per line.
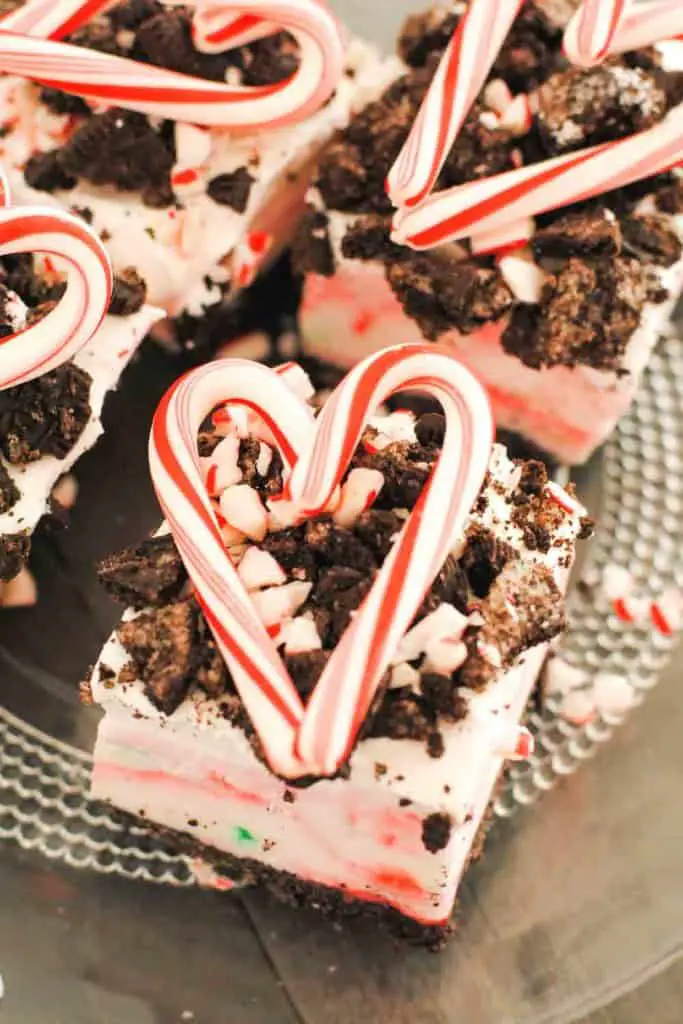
<point>58,336</point>
<point>168,94</point>
<point>263,682</point>
<point>350,680</point>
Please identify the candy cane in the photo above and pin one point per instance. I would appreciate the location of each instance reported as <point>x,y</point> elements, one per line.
<point>5,194</point>
<point>57,337</point>
<point>490,203</point>
<point>350,679</point>
<point>259,674</point>
<point>602,28</point>
<point>48,19</point>
<point>162,93</point>
<point>462,71</point>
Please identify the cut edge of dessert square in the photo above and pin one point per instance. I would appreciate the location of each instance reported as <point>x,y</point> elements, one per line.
<point>397,824</point>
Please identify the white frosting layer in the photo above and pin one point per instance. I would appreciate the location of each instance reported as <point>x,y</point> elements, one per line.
<point>104,358</point>
<point>195,772</point>
<point>176,248</point>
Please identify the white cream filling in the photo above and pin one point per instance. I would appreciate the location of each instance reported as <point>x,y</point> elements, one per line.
<point>104,358</point>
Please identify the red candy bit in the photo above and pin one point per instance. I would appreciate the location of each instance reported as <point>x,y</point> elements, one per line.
<point>660,621</point>
<point>122,353</point>
<point>245,275</point>
<point>211,479</point>
<point>186,176</point>
<point>274,630</point>
<point>363,322</point>
<point>221,417</point>
<point>505,250</point>
<point>622,610</point>
<point>370,499</point>
<point>259,242</point>
<point>370,448</point>
<point>525,745</point>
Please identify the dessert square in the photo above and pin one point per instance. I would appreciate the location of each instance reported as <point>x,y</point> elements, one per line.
<point>393,824</point>
<point>557,316</point>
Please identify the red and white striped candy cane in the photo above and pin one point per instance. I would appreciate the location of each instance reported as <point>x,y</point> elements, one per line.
<point>350,680</point>
<point>49,342</point>
<point>5,194</point>
<point>162,93</point>
<point>462,71</point>
<point>602,28</point>
<point>260,676</point>
<point>55,19</point>
<point>490,203</point>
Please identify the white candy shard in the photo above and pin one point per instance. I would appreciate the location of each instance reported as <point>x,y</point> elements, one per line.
<point>192,145</point>
<point>283,514</point>
<point>276,605</point>
<point>522,275</point>
<point>300,635</point>
<point>497,95</point>
<point>259,569</point>
<point>265,457</point>
<point>241,507</point>
<point>397,426</point>
<point>445,656</point>
<point>517,116</point>
<point>224,458</point>
<point>444,622</point>
<point>357,494</point>
<point>404,675</point>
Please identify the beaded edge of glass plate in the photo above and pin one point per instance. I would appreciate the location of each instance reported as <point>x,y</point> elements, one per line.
<point>44,803</point>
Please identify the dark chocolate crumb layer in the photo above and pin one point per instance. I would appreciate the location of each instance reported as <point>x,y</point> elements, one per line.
<point>129,293</point>
<point>150,574</point>
<point>46,416</point>
<point>14,552</point>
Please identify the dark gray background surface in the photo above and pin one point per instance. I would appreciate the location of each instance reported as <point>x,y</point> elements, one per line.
<point>574,914</point>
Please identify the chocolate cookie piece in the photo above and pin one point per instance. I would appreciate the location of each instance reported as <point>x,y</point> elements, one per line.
<point>129,293</point>
<point>150,574</point>
<point>369,238</point>
<point>512,626</point>
<point>9,492</point>
<point>45,173</point>
<point>231,189</point>
<point>441,293</point>
<point>305,669</point>
<point>14,552</point>
<point>588,313</point>
<point>669,197</point>
<point>653,238</point>
<point>582,107</point>
<point>436,832</point>
<point>311,247</point>
<point>161,646</point>
<point>46,416</point>
<point>120,148</point>
<point>532,50</point>
<point>426,35</point>
<point>590,233</point>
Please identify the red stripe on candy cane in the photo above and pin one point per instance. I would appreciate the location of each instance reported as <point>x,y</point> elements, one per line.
<point>264,684</point>
<point>463,69</point>
<point>350,680</point>
<point>57,337</point>
<point>489,204</point>
<point>603,28</point>
<point>159,92</point>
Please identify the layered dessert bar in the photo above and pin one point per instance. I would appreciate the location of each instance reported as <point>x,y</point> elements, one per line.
<point>392,824</point>
<point>49,422</point>
<point>557,315</point>
<point>201,205</point>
